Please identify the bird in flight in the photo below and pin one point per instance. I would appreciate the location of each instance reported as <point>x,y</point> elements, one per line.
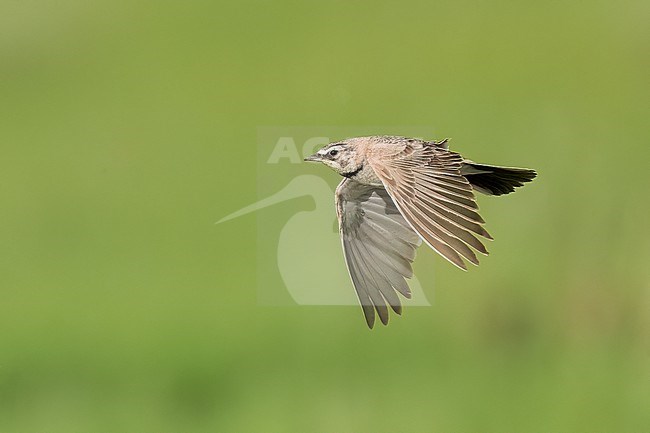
<point>398,191</point>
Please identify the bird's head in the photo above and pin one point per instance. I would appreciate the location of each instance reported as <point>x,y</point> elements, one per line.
<point>342,156</point>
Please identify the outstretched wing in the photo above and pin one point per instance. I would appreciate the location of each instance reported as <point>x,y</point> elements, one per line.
<point>438,202</point>
<point>378,245</point>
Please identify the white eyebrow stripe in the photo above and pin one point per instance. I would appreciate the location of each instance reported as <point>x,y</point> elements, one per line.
<point>324,150</point>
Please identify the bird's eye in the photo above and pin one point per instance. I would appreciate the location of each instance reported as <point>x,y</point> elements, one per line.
<point>333,152</point>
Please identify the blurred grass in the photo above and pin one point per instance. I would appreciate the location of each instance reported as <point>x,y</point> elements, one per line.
<point>128,128</point>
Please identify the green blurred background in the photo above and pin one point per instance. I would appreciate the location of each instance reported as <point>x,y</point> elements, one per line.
<point>128,128</point>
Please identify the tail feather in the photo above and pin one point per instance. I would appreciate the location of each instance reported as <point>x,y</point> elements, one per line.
<point>494,180</point>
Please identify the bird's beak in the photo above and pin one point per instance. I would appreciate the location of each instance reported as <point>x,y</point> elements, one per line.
<point>314,158</point>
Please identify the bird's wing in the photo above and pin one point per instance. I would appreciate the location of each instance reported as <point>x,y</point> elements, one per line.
<point>437,201</point>
<point>378,245</point>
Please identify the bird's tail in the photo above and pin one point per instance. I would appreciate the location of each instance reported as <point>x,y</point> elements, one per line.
<point>494,180</point>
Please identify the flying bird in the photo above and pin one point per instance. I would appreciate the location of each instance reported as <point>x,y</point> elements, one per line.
<point>398,192</point>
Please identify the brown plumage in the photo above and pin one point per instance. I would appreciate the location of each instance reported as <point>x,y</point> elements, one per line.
<point>398,191</point>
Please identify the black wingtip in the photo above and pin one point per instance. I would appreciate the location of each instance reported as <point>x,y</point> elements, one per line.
<point>370,320</point>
